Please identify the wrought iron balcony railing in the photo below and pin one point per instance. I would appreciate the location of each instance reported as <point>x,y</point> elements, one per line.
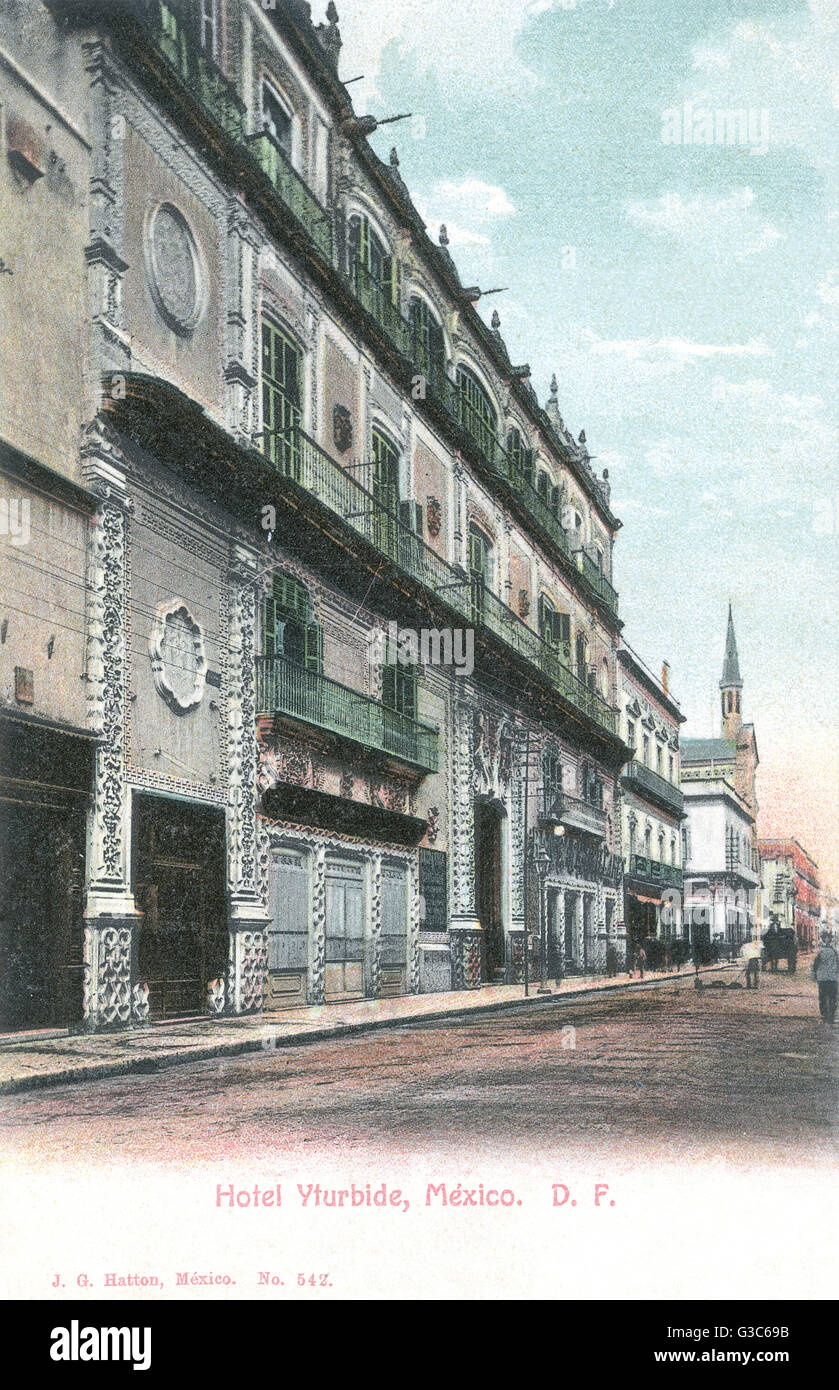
<point>596,579</point>
<point>173,32</point>
<point>294,455</point>
<point>292,191</point>
<point>642,777</point>
<point>284,687</point>
<point>574,812</point>
<point>652,871</point>
<point>378,302</point>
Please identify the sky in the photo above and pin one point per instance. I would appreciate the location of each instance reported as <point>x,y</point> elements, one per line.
<point>680,275</point>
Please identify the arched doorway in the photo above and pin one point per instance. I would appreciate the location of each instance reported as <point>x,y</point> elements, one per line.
<point>489,885</point>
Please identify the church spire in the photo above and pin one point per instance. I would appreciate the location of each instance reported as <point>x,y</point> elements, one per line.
<point>731,683</point>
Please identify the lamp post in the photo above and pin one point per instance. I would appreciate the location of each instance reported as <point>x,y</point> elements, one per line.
<point>542,861</point>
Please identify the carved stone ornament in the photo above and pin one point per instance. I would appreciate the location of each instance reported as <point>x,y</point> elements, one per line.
<point>524,603</point>
<point>342,428</point>
<point>434,517</point>
<point>178,658</point>
<point>173,268</point>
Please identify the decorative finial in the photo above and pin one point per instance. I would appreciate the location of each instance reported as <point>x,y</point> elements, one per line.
<point>554,387</point>
<point>496,320</point>
<point>444,236</point>
<point>582,436</point>
<point>331,12</point>
<point>394,158</point>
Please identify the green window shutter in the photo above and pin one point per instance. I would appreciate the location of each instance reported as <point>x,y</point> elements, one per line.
<point>389,686</point>
<point>436,344</point>
<point>313,659</point>
<point>564,627</point>
<point>269,628</point>
<point>409,692</point>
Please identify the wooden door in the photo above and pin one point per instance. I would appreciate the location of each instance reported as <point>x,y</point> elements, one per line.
<point>344,972</point>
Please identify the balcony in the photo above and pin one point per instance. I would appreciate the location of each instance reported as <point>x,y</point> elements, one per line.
<point>292,191</point>
<point>285,688</point>
<point>295,456</point>
<point>642,779</point>
<point>652,873</point>
<point>596,580</point>
<point>377,301</point>
<point>175,38</point>
<point>574,813</point>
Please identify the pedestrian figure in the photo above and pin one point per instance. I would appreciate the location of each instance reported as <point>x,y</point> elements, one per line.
<point>826,975</point>
<point>751,955</point>
<point>642,961</point>
<point>611,961</point>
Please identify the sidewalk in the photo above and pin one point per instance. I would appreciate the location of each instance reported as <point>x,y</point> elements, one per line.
<point>29,1061</point>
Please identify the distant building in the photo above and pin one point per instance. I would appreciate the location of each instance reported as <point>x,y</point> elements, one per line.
<point>722,876</point>
<point>652,808</point>
<point>791,891</point>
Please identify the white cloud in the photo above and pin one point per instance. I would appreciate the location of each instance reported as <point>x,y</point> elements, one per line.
<point>680,350</point>
<point>728,227</point>
<point>473,196</point>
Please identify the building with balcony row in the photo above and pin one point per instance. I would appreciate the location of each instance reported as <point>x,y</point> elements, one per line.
<point>652,802</point>
<point>722,865</point>
<point>790,889</point>
<point>265,431</point>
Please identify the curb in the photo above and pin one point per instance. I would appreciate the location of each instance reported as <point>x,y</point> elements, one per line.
<point>101,1071</point>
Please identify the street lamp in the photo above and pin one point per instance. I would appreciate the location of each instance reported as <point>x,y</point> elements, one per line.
<point>543,863</point>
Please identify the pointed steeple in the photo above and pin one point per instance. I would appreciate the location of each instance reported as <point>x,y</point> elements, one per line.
<point>731,684</point>
<point>731,664</point>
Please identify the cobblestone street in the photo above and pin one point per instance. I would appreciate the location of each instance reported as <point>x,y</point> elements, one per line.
<point>710,1072</point>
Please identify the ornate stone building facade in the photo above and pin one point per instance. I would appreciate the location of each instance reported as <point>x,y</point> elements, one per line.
<point>295,433</point>
<point>652,803</point>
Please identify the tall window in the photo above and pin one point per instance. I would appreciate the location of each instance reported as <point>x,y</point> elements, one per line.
<point>276,118</point>
<point>477,414</point>
<point>581,655</point>
<point>208,27</point>
<point>520,456</point>
<point>385,488</point>
<point>399,689</point>
<point>289,629</point>
<point>385,462</point>
<point>551,779</point>
<point>630,735</point>
<point>479,570</point>
<point>646,750</point>
<point>173,35</point>
<point>281,415</point>
<point>543,486</point>
<point>373,270</point>
<point>591,785</point>
<point>554,627</point>
<point>428,340</point>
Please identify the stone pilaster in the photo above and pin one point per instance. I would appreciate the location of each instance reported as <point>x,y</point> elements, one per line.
<point>414,975</point>
<point>317,964</point>
<point>241,349</point>
<point>110,1000</point>
<point>375,924</point>
<point>248,917</point>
